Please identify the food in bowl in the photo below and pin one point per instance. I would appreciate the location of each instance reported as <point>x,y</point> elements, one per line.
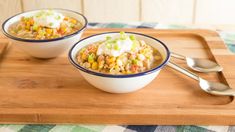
<point>45,33</point>
<point>119,55</point>
<point>117,82</point>
<point>44,24</point>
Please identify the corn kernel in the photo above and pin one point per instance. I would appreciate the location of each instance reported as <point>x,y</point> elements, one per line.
<point>94,66</point>
<point>27,26</point>
<point>48,31</point>
<point>112,59</point>
<point>31,21</point>
<point>73,21</point>
<point>63,29</point>
<point>84,56</point>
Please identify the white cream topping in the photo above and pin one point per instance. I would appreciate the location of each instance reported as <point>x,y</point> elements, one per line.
<point>48,18</point>
<point>115,49</point>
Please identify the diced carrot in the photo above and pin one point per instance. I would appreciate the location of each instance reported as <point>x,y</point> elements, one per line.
<point>89,48</point>
<point>62,30</point>
<point>31,21</point>
<point>134,68</point>
<point>66,18</point>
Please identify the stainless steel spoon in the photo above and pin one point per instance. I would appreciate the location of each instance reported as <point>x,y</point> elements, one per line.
<point>200,65</point>
<point>214,88</point>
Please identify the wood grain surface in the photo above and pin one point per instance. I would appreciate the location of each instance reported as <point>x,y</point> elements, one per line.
<point>52,91</point>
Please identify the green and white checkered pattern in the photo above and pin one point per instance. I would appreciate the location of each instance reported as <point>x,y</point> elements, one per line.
<point>113,128</point>
<point>229,39</point>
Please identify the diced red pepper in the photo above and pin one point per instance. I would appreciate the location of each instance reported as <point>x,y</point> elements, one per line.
<point>134,68</point>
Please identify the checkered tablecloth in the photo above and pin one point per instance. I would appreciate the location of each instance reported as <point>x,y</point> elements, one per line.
<point>229,39</point>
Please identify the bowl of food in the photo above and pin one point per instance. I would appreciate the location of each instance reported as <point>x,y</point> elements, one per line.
<point>45,33</point>
<point>119,62</point>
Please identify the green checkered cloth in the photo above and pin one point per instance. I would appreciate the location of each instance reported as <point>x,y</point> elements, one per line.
<point>229,39</point>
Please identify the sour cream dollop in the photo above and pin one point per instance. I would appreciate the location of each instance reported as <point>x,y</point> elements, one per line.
<point>48,18</point>
<point>117,48</point>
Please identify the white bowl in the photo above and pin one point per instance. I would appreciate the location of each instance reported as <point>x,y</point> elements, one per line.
<point>48,48</point>
<point>119,83</point>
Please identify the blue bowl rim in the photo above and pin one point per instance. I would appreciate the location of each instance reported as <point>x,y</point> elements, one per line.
<point>44,40</point>
<point>119,76</point>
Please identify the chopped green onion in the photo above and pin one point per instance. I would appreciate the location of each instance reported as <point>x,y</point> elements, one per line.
<point>108,45</point>
<point>133,46</point>
<point>72,25</point>
<point>134,61</point>
<point>113,41</point>
<point>108,37</point>
<point>50,24</point>
<point>58,17</point>
<point>39,14</point>
<point>132,37</point>
<point>35,27</point>
<point>49,13</point>
<point>26,18</point>
<point>91,58</point>
<point>42,32</point>
<point>122,35</point>
<point>15,30</point>
<point>116,47</point>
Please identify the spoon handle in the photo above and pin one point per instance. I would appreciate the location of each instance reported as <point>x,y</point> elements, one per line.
<point>183,70</point>
<point>175,55</point>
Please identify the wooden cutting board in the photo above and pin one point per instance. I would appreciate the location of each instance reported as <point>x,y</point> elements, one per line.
<point>53,91</point>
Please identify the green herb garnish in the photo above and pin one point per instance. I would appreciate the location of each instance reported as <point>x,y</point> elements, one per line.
<point>50,24</point>
<point>91,58</point>
<point>116,47</point>
<point>134,61</point>
<point>132,37</point>
<point>122,35</point>
<point>108,45</point>
<point>58,18</point>
<point>35,27</point>
<point>108,38</point>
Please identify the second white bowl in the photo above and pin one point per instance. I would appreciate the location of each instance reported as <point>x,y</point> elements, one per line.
<point>45,48</point>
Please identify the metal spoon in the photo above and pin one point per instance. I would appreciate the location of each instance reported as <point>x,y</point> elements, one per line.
<point>200,65</point>
<point>214,88</point>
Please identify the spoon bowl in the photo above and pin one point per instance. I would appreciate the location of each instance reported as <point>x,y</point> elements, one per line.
<point>214,88</point>
<point>198,64</point>
<point>203,65</point>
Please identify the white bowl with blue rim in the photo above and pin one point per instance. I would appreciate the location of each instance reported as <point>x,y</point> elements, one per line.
<point>119,83</point>
<point>48,48</point>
